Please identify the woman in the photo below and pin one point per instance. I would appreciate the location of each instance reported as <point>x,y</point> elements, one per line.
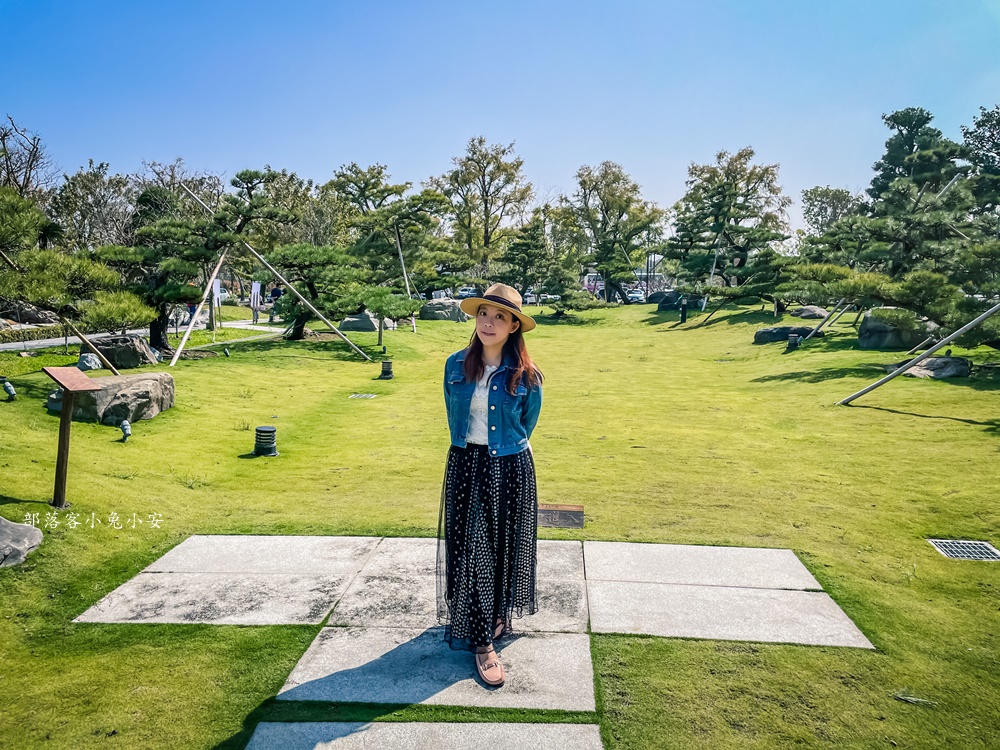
<point>487,529</point>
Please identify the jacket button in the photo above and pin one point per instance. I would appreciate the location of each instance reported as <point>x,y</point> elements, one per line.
<point>492,408</point>
<point>494,453</point>
<point>494,388</point>
<point>493,427</point>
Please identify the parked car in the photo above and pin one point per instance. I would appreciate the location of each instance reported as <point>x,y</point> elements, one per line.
<point>467,291</point>
<point>549,297</point>
<point>636,295</point>
<point>530,298</point>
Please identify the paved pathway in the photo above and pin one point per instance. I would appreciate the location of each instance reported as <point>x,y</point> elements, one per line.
<point>382,644</point>
<point>74,341</point>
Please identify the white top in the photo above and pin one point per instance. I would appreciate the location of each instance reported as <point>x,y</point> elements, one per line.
<point>478,421</point>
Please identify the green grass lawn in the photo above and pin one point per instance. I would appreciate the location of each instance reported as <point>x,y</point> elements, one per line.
<point>665,433</point>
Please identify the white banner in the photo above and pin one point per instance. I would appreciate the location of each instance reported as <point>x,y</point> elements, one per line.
<point>255,295</point>
<point>217,292</point>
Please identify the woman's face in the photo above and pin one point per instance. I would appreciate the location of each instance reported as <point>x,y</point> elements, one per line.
<point>494,324</point>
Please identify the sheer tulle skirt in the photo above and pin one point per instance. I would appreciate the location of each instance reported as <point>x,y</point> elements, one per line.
<point>487,539</point>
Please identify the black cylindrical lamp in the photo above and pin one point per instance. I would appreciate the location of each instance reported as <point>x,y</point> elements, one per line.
<point>265,441</point>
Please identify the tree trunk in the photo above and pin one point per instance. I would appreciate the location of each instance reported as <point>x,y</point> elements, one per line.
<point>381,325</point>
<point>616,288</point>
<point>158,330</point>
<point>298,331</point>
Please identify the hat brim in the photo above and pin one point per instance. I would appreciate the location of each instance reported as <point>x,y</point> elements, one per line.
<point>470,306</point>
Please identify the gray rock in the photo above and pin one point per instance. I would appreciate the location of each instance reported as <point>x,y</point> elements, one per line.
<point>124,352</point>
<point>671,300</point>
<point>25,313</point>
<point>363,321</point>
<point>877,334</point>
<point>937,368</point>
<point>657,297</point>
<point>89,361</point>
<point>130,397</point>
<point>4,324</point>
<point>17,541</point>
<point>810,312</point>
<point>781,333</point>
<point>443,309</point>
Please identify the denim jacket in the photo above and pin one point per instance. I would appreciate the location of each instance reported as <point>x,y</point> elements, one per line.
<point>511,417</point>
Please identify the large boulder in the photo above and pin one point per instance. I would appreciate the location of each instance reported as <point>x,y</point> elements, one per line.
<point>124,352</point>
<point>671,300</point>
<point>874,333</point>
<point>814,312</point>
<point>130,397</point>
<point>22,312</point>
<point>363,321</point>
<point>781,333</point>
<point>17,541</point>
<point>937,368</point>
<point>443,309</point>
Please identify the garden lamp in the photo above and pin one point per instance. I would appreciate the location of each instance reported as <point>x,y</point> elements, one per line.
<point>126,429</point>
<point>9,389</point>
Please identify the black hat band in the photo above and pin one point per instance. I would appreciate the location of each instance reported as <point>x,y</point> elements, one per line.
<point>501,301</point>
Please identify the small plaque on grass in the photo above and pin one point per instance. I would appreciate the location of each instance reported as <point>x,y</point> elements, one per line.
<point>561,516</point>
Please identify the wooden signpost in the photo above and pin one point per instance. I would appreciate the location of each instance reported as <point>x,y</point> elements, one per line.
<point>72,381</point>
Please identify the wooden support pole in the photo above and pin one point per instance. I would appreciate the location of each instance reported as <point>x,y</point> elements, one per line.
<point>288,284</point>
<point>918,359</point>
<point>838,315</point>
<point>409,294</point>
<point>62,455</point>
<point>86,341</point>
<point>816,329</point>
<point>197,312</point>
<point>922,344</point>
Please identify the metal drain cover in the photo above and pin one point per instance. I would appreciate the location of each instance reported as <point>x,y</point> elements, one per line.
<point>362,395</point>
<point>962,549</point>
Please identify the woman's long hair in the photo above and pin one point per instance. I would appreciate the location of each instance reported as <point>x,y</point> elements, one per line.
<point>524,367</point>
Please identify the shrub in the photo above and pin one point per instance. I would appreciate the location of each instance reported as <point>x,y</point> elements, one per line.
<point>904,320</point>
<point>578,300</point>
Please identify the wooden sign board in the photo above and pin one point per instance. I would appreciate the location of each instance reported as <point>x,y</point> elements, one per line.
<point>560,516</point>
<point>71,379</point>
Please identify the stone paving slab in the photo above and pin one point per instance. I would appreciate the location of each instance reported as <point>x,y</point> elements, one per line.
<point>318,735</point>
<point>705,566</point>
<point>304,555</point>
<point>560,559</point>
<point>219,599</point>
<point>405,666</point>
<point>401,602</point>
<point>737,614</point>
<point>402,557</point>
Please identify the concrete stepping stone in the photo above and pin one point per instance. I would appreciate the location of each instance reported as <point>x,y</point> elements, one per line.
<point>219,599</point>
<point>413,665</point>
<point>726,613</point>
<point>706,566</point>
<point>397,588</point>
<point>321,735</point>
<point>304,555</point>
<point>239,580</point>
<point>397,602</point>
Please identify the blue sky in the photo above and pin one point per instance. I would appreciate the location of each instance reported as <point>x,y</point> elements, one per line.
<point>309,86</point>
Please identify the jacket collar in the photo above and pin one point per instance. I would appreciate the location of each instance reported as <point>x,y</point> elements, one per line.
<point>508,361</point>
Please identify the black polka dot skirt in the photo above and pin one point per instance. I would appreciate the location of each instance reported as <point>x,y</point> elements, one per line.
<point>487,539</point>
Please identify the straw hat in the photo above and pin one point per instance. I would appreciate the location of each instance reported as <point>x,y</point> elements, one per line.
<point>500,295</point>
